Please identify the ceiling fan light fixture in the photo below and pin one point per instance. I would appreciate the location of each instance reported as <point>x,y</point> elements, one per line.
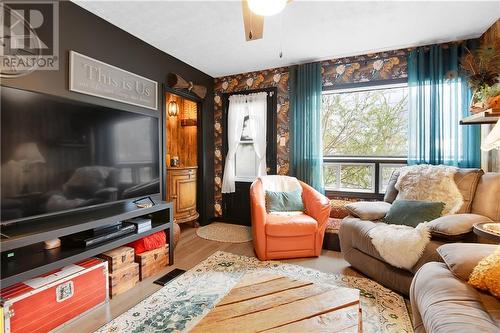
<point>266,7</point>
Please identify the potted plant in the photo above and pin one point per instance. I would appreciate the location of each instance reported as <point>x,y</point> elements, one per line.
<point>482,69</point>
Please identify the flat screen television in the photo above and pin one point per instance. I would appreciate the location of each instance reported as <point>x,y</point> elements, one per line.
<point>60,155</point>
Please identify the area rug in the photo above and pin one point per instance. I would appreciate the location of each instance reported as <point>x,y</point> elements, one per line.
<point>182,303</point>
<point>225,232</point>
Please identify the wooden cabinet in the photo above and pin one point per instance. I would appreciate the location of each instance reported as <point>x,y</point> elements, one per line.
<point>181,190</point>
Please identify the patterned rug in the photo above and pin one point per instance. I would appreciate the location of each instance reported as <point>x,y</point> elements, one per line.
<point>183,302</point>
<point>225,232</point>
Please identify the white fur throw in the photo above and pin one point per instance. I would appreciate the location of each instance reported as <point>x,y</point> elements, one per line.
<point>400,245</point>
<point>276,183</point>
<point>430,183</point>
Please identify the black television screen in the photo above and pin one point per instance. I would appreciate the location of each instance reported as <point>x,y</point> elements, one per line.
<point>59,155</point>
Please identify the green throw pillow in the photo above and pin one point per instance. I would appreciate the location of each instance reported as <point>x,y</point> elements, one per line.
<point>284,201</point>
<point>413,212</point>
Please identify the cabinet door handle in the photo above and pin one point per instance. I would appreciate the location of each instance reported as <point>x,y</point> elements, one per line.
<point>174,196</point>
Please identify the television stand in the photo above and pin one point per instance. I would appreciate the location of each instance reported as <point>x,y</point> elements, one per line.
<point>26,239</point>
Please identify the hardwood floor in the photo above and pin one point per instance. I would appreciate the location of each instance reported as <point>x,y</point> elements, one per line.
<point>189,252</point>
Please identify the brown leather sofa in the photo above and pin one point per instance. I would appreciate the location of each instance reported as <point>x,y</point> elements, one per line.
<point>481,194</point>
<point>441,299</point>
<point>294,236</point>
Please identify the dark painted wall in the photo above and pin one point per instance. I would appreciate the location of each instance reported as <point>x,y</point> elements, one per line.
<point>84,32</point>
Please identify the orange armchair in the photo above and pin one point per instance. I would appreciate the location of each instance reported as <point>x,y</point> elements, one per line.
<point>281,236</point>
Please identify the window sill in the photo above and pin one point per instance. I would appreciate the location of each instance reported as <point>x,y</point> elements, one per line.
<point>354,195</point>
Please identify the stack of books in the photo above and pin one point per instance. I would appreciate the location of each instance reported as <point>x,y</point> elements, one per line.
<point>141,224</point>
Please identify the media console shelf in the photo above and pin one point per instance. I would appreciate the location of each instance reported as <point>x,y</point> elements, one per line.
<point>31,260</point>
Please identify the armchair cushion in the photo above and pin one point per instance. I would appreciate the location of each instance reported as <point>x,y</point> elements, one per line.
<point>291,225</point>
<point>369,210</point>
<point>454,227</point>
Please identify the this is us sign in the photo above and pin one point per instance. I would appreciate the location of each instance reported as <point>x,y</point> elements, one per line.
<point>93,77</point>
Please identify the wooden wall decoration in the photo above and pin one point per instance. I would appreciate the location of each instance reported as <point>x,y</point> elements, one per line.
<point>182,140</point>
<point>493,33</point>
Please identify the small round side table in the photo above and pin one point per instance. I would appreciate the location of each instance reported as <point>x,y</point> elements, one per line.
<point>480,230</point>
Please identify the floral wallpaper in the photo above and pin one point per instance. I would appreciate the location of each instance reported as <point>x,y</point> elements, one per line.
<point>380,67</point>
<point>383,66</point>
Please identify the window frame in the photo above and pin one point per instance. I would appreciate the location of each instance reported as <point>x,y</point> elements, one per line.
<point>376,161</point>
<point>271,130</point>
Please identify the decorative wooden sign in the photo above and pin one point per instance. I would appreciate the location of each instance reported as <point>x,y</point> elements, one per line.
<point>96,78</point>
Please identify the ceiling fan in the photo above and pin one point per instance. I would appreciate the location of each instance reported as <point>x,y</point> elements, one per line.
<point>254,12</point>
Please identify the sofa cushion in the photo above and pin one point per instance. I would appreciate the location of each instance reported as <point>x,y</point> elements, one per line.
<point>454,227</point>
<point>447,304</point>
<point>369,210</point>
<point>292,225</point>
<point>431,183</point>
<point>461,258</point>
<point>486,201</point>
<point>413,212</point>
<point>467,180</point>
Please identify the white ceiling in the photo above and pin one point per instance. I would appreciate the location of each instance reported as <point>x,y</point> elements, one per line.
<point>209,35</point>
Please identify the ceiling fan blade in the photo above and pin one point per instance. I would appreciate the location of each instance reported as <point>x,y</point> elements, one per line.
<point>254,24</point>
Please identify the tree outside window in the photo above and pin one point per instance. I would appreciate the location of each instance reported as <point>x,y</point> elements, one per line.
<point>363,125</point>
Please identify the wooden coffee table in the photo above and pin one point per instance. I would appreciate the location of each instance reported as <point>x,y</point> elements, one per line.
<point>274,303</point>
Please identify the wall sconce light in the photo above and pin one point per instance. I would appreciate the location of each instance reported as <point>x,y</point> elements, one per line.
<point>173,109</point>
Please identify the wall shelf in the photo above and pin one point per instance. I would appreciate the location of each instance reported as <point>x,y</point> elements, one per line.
<point>484,117</point>
<point>31,259</point>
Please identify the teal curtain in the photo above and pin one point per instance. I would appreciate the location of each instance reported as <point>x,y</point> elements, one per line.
<point>438,98</point>
<point>305,119</point>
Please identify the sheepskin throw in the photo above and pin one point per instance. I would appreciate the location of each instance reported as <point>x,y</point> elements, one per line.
<point>277,183</point>
<point>400,245</point>
<point>430,183</point>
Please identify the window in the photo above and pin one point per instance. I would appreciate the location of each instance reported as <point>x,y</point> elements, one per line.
<point>246,162</point>
<point>365,137</point>
<point>246,141</point>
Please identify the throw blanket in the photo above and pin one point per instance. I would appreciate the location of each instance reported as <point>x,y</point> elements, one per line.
<point>400,245</point>
<point>430,183</point>
<point>277,183</point>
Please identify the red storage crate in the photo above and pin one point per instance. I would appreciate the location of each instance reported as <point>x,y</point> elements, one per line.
<point>46,302</point>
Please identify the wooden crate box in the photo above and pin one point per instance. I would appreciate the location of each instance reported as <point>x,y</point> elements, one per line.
<point>119,257</point>
<point>151,262</point>
<point>123,279</point>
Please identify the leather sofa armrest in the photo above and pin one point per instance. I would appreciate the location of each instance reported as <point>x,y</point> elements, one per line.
<point>316,204</point>
<point>442,303</point>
